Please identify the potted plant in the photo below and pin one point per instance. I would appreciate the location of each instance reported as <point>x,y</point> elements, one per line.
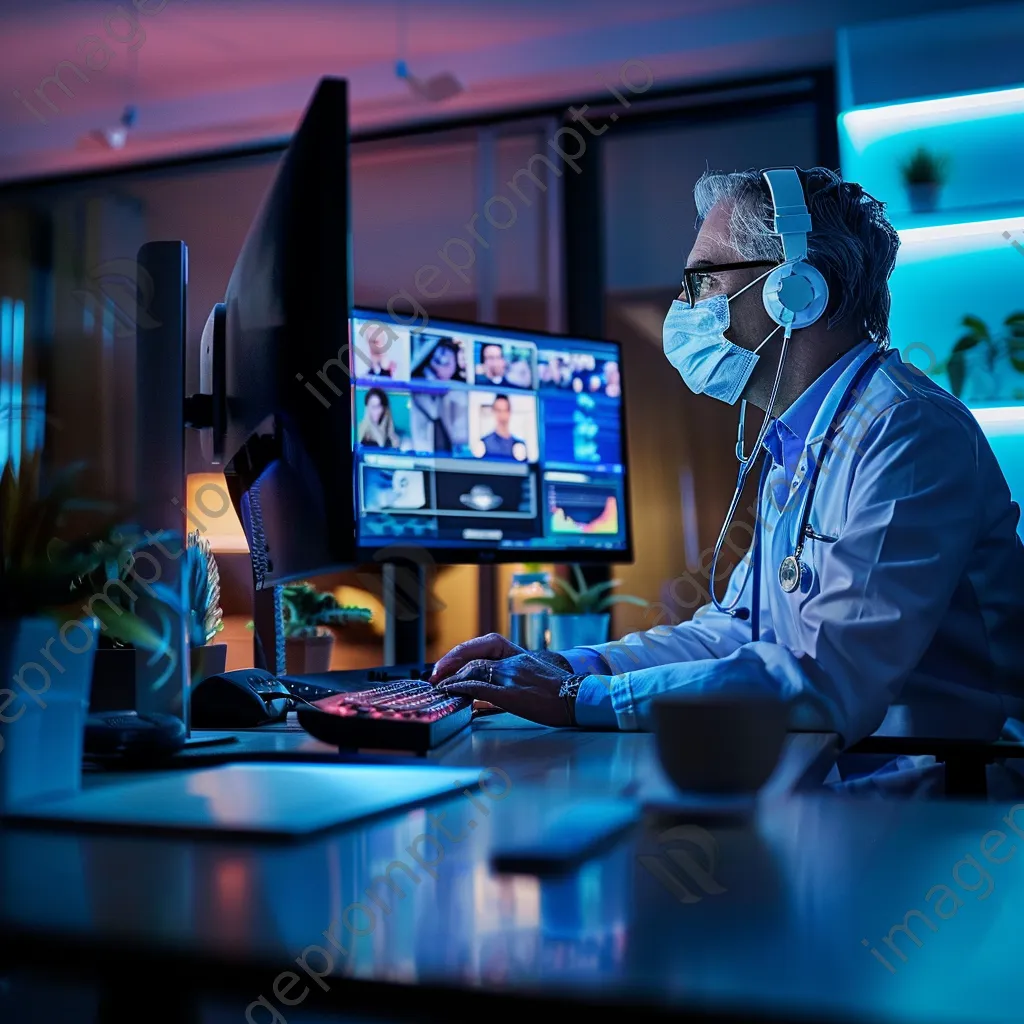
<point>113,582</point>
<point>202,606</point>
<point>981,360</point>
<point>579,615</point>
<point>308,613</point>
<point>50,617</point>
<point>924,174</point>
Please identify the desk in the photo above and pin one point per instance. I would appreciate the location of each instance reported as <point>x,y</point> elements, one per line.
<point>773,931</point>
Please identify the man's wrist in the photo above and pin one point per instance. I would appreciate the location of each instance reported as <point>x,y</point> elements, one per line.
<point>556,659</point>
<point>569,689</point>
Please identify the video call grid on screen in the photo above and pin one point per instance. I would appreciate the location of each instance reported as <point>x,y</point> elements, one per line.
<point>477,438</point>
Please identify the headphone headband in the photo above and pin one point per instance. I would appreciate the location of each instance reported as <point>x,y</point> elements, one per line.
<point>792,221</point>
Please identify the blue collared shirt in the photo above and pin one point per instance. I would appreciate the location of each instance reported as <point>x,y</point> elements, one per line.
<point>908,618</point>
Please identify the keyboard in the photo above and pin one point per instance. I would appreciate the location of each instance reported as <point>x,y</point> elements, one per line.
<point>315,686</point>
<point>398,714</point>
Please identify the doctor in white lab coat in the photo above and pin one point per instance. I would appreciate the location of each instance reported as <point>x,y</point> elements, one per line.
<point>885,588</point>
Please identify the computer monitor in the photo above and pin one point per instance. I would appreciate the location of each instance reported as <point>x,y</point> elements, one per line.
<point>484,444</point>
<point>284,323</point>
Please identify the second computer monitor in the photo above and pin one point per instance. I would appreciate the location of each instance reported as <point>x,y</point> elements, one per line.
<point>486,444</point>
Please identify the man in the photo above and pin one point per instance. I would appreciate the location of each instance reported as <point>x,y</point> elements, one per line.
<point>495,366</point>
<point>901,614</point>
<point>500,442</point>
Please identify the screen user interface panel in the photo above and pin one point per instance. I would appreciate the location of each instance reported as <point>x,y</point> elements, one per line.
<point>472,437</point>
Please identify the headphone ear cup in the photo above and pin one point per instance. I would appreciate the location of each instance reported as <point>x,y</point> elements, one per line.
<point>795,295</point>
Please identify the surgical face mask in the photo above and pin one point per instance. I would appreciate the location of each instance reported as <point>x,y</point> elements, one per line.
<point>695,344</point>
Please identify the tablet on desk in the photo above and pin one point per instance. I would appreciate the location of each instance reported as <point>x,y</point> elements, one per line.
<point>284,801</point>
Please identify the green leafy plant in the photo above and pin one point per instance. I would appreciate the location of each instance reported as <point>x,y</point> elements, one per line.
<point>42,574</point>
<point>1009,342</point>
<point>202,591</point>
<point>307,611</point>
<point>582,599</point>
<point>924,168</point>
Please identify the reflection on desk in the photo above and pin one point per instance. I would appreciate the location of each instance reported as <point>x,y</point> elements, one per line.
<point>411,899</point>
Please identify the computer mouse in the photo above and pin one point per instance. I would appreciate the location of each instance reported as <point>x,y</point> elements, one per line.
<point>131,735</point>
<point>231,700</point>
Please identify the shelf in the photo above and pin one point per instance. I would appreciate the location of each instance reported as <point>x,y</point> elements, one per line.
<point>961,219</point>
<point>991,415</point>
<point>936,62</point>
<point>868,124</point>
<point>964,229</point>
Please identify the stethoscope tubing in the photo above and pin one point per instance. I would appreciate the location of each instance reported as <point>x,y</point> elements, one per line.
<point>869,366</point>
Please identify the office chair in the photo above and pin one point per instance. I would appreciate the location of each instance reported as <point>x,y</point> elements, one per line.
<point>965,760</point>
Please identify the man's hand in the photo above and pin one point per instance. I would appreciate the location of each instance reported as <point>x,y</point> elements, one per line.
<point>524,684</point>
<point>492,647</point>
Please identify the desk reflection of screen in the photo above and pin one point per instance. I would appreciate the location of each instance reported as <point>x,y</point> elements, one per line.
<point>477,438</point>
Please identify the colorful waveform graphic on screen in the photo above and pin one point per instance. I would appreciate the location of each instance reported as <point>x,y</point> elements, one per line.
<point>583,510</point>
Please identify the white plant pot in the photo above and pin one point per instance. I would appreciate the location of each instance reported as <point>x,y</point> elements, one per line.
<point>47,672</point>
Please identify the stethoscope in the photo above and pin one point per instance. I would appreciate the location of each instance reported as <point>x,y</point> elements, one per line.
<point>791,569</point>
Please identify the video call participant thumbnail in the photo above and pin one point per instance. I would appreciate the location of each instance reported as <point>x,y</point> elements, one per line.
<point>438,357</point>
<point>579,372</point>
<point>504,366</point>
<point>501,443</point>
<point>384,424</point>
<point>504,426</point>
<point>380,351</point>
<point>554,369</point>
<point>440,422</point>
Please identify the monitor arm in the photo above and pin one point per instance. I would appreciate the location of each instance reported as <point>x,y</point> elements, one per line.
<point>207,411</point>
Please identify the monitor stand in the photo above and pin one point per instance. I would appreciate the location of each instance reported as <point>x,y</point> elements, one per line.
<point>268,650</point>
<point>405,612</point>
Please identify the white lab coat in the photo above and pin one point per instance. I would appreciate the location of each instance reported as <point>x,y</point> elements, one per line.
<point>908,620</point>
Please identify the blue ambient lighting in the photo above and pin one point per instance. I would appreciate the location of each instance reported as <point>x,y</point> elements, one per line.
<point>867,124</point>
<point>974,235</point>
<point>17,360</point>
<point>1000,417</point>
<point>6,351</point>
<point>994,229</point>
<point>12,356</point>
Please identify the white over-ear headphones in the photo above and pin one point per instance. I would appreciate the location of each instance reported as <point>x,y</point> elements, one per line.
<point>794,294</point>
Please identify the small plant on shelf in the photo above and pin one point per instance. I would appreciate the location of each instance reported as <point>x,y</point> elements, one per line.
<point>580,613</point>
<point>308,615</point>
<point>924,173</point>
<point>308,611</point>
<point>925,168</point>
<point>583,598</point>
<point>976,378</point>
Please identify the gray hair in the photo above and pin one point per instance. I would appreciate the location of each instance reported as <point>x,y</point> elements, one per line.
<point>851,242</point>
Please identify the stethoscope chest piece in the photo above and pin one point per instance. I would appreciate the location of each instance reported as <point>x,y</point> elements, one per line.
<point>789,573</point>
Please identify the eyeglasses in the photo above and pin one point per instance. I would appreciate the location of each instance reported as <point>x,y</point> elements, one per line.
<point>697,281</point>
